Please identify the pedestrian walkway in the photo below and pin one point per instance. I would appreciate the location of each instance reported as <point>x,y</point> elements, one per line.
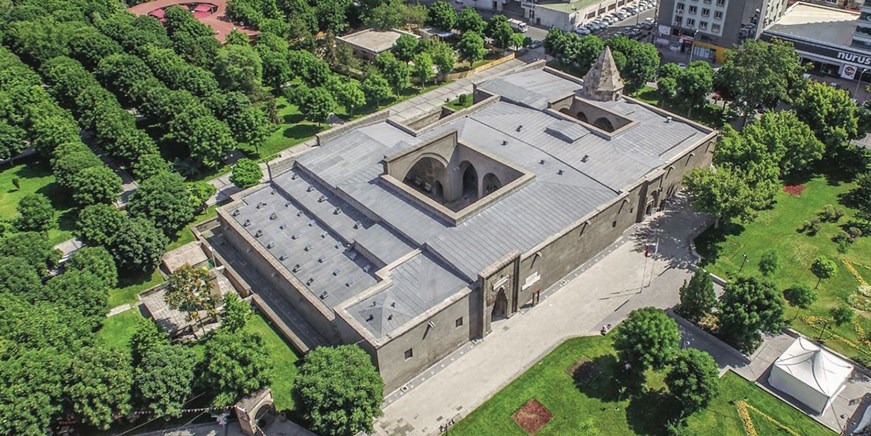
<point>604,292</point>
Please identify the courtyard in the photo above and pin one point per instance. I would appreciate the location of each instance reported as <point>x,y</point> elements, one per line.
<point>736,249</point>
<point>35,177</point>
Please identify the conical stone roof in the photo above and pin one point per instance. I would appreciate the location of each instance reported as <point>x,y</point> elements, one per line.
<point>603,81</point>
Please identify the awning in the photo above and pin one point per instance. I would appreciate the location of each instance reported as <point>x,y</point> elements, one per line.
<point>157,13</point>
<point>203,7</point>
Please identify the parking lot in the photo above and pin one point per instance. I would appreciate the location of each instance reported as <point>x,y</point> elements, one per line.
<point>635,20</point>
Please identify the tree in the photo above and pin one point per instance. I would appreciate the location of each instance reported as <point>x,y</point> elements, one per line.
<point>236,313</point>
<point>339,390</point>
<point>349,95</point>
<point>239,68</point>
<point>209,139</point>
<point>97,184</point>
<point>237,364</point>
<point>405,47</point>
<point>70,161</point>
<point>97,261</point>
<point>697,297</point>
<point>471,47</point>
<point>33,247</point>
<point>200,192</point>
<point>838,316</point>
<point>331,15</point>
<point>19,277</point>
<point>565,48</point>
<point>443,56</point>
<point>313,71</point>
<point>317,103</point>
<point>789,142</point>
<point>694,379</point>
<point>518,41</point>
<point>768,263</point>
<point>164,200</point>
<point>722,193</point>
<point>586,50</point>
<point>800,296</point>
<point>246,173</point>
<point>759,74</point>
<point>499,31</point>
<point>190,290</point>
<point>164,378</point>
<point>32,391</point>
<point>423,67</point>
<point>99,384</point>
<point>830,113</point>
<point>98,224</point>
<point>823,268</point>
<point>860,196</point>
<point>376,88</point>
<point>397,73</point>
<point>276,70</point>
<point>695,82</point>
<point>82,292</point>
<point>441,15</point>
<point>11,140</point>
<point>642,61</point>
<point>754,163</point>
<point>138,245</point>
<point>468,20</point>
<point>35,213</point>
<point>121,72</point>
<point>647,339</point>
<point>747,307</point>
<point>148,335</point>
<point>149,165</point>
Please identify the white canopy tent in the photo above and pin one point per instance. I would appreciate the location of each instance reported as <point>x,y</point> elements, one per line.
<point>810,374</point>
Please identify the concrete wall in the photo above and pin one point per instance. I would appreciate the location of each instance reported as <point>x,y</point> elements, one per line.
<point>428,344</point>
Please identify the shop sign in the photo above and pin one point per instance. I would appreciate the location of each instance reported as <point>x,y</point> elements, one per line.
<point>848,72</point>
<point>854,58</point>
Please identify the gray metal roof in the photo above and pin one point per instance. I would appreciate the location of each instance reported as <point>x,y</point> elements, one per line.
<point>533,88</point>
<point>337,192</point>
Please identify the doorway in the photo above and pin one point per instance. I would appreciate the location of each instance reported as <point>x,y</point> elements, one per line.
<point>500,307</point>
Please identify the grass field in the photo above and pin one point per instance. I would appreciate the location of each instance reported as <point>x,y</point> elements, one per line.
<point>36,177</point>
<point>456,104</point>
<point>130,287</point>
<point>117,330</point>
<point>776,229</point>
<point>596,401</point>
<point>283,357</point>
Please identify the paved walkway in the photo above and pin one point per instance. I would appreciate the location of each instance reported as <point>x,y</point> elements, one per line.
<point>580,307</point>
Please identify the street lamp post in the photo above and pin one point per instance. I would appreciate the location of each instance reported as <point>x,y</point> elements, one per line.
<point>858,82</point>
<point>693,46</point>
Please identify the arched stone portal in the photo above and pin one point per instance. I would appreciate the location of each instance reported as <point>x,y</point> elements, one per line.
<point>491,183</point>
<point>427,175</point>
<point>253,410</point>
<point>582,116</point>
<point>470,181</point>
<point>500,306</point>
<point>604,124</point>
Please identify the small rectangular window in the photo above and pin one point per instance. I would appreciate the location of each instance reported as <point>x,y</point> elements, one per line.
<point>693,9</point>
<point>703,25</point>
<point>458,322</point>
<point>706,12</point>
<point>409,353</point>
<point>680,6</point>
<point>691,22</point>
<point>715,28</point>
<point>718,15</point>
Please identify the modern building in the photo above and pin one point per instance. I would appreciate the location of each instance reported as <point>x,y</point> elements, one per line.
<point>567,15</point>
<point>834,41</point>
<point>412,242</point>
<point>369,43</point>
<point>710,27</point>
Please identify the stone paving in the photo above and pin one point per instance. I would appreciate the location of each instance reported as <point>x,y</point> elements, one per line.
<point>580,305</point>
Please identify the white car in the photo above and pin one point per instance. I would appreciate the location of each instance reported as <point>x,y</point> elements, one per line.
<point>582,30</point>
<point>621,15</point>
<point>648,20</point>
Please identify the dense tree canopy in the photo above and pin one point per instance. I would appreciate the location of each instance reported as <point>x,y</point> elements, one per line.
<point>97,184</point>
<point>499,31</point>
<point>468,20</point>
<point>246,173</point>
<point>35,213</point>
<point>82,292</point>
<point>471,47</point>
<point>749,306</point>
<point>164,200</point>
<point>694,379</point>
<point>97,261</point>
<point>237,364</point>
<point>642,61</point>
<point>32,247</point>
<point>722,193</point>
<point>19,277</point>
<point>239,68</point>
<point>164,378</point>
<point>830,113</point>
<point>339,390</point>
<point>98,224</point>
<point>138,245</point>
<point>99,385</point>
<point>697,297</point>
<point>441,15</point>
<point>647,339</point>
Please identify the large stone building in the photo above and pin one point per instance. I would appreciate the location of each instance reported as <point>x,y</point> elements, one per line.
<point>710,27</point>
<point>411,242</point>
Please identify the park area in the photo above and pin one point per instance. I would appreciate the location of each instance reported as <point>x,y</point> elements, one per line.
<point>736,249</point>
<point>30,176</point>
<point>576,386</point>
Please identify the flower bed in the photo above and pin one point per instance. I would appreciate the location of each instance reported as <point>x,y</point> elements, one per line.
<point>532,417</point>
<point>794,190</point>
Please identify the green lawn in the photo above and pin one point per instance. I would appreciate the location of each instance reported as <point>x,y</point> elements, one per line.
<point>457,105</point>
<point>185,235</point>
<point>775,229</point>
<point>35,177</point>
<point>721,416</point>
<point>283,357</point>
<point>595,399</point>
<point>117,330</point>
<point>130,287</point>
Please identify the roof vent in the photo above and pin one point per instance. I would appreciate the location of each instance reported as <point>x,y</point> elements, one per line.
<point>370,318</point>
<point>667,119</point>
<point>352,254</point>
<point>246,223</point>
<point>324,235</point>
<point>235,212</point>
<point>322,259</point>
<point>390,317</point>
<point>295,236</point>
<point>286,204</point>
<point>261,204</point>
<point>270,245</point>
<point>258,233</point>
<point>308,248</point>
<point>336,272</point>
<point>299,213</point>
<point>323,294</point>
<point>321,198</point>
<point>520,127</point>
<point>504,142</point>
<point>585,158</point>
<point>357,224</point>
<point>393,304</point>
<point>282,257</point>
<point>374,303</point>
<point>337,211</point>
<point>296,268</point>
<point>283,226</point>
<point>294,176</point>
<point>273,217</point>
<point>312,280</point>
<point>560,172</point>
<point>541,161</point>
<point>310,188</point>
<point>311,223</point>
<point>349,283</point>
<point>367,268</point>
<point>272,192</point>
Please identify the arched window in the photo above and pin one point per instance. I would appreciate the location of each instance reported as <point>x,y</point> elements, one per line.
<point>491,183</point>
<point>604,124</point>
<point>426,176</point>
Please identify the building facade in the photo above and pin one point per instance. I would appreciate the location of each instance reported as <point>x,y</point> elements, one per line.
<point>835,42</point>
<point>412,242</point>
<point>710,27</point>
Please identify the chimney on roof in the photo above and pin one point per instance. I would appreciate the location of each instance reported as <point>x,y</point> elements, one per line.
<point>258,233</point>
<point>296,268</point>
<point>273,217</point>
<point>246,223</point>
<point>282,257</point>
<point>270,245</point>
<point>585,158</point>
<point>603,82</point>
<point>235,212</point>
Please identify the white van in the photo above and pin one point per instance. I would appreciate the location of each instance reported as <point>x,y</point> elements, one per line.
<point>518,25</point>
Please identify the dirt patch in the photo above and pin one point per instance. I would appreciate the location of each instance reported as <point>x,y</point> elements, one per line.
<point>532,417</point>
<point>794,190</point>
<point>584,370</point>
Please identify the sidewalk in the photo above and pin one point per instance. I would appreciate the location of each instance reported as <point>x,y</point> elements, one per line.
<point>604,293</point>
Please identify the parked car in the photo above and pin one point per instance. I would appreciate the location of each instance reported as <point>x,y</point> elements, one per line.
<point>582,30</point>
<point>621,15</point>
<point>536,43</point>
<point>648,20</point>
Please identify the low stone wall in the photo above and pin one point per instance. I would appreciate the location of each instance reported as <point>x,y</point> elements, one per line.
<point>696,330</point>
<point>339,130</point>
<point>478,69</point>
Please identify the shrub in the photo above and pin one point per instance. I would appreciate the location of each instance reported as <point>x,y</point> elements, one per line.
<point>831,213</point>
<point>246,173</point>
<point>769,263</point>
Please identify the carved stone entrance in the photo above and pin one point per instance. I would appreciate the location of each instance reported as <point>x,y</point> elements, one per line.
<point>500,307</point>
